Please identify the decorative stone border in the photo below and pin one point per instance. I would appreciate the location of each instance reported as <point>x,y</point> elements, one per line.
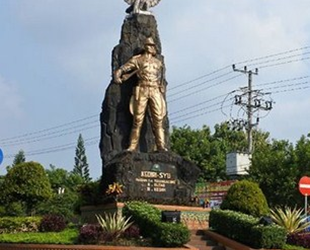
<point>82,247</point>
<point>192,217</point>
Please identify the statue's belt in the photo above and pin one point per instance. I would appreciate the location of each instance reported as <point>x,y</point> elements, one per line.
<point>154,84</point>
<point>149,85</point>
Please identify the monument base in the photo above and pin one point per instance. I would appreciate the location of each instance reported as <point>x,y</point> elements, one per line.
<point>193,217</point>
<point>160,178</point>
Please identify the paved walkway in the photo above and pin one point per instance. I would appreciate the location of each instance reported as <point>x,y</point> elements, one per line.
<point>203,242</point>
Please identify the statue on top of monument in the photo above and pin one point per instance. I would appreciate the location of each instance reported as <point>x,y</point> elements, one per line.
<point>147,93</point>
<point>140,6</point>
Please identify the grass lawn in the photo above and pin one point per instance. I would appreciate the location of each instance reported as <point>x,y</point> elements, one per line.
<point>291,247</point>
<point>66,237</point>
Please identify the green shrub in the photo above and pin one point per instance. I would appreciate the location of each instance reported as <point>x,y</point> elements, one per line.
<point>246,197</point>
<point>90,193</point>
<point>247,229</point>
<point>19,224</point>
<point>2,211</point>
<point>143,214</point>
<point>170,235</point>
<point>52,223</point>
<point>148,218</point>
<point>61,204</point>
<point>16,208</point>
<point>9,209</point>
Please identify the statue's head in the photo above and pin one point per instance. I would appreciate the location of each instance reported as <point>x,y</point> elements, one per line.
<point>150,46</point>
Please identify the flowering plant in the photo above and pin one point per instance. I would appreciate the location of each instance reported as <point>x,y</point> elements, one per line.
<point>115,189</point>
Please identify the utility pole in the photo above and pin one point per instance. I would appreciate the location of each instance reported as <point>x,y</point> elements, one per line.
<point>251,101</point>
<point>249,106</point>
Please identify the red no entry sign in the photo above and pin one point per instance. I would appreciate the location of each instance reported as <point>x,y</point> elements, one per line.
<point>304,185</point>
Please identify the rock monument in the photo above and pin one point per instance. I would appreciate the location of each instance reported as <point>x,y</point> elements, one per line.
<point>135,151</point>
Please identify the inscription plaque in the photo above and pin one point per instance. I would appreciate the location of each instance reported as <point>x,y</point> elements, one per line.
<point>155,177</point>
<point>157,182</point>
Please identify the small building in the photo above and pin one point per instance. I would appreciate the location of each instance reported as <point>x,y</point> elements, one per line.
<point>237,163</point>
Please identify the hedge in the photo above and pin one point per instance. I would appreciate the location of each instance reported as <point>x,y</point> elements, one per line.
<point>148,218</point>
<point>19,224</point>
<point>247,229</point>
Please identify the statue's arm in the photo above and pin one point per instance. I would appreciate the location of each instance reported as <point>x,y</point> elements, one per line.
<point>127,67</point>
<point>118,76</point>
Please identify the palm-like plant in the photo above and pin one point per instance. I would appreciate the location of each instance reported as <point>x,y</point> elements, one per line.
<point>290,219</point>
<point>113,225</point>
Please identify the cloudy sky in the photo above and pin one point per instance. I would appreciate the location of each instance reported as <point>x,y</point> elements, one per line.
<point>55,58</point>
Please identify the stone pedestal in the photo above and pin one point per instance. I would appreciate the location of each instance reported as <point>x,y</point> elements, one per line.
<point>162,178</point>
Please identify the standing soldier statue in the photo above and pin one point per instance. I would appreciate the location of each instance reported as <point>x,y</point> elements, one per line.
<point>148,93</point>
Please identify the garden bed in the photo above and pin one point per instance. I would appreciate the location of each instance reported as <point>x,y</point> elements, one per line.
<point>82,247</point>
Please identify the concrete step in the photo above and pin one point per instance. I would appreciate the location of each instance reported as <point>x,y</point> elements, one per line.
<point>203,242</point>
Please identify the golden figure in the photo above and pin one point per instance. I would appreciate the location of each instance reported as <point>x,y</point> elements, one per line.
<point>148,92</point>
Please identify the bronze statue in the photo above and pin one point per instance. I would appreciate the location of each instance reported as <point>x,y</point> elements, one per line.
<point>141,6</point>
<point>148,93</point>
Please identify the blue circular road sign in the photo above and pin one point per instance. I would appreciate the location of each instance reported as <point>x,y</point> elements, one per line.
<point>1,156</point>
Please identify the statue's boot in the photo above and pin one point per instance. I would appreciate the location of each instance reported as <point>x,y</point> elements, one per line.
<point>160,139</point>
<point>134,139</point>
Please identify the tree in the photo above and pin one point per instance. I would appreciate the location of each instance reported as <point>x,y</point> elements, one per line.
<point>302,151</point>
<point>27,182</point>
<point>66,196</point>
<point>61,178</point>
<point>274,168</point>
<point>19,158</point>
<point>193,145</point>
<point>81,167</point>
<point>207,151</point>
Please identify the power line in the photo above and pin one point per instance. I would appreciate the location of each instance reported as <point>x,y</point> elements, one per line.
<point>199,104</point>
<point>36,138</point>
<point>287,85</point>
<point>287,62</point>
<point>290,90</point>
<point>195,86</point>
<point>283,80</point>
<point>200,77</point>
<point>279,59</point>
<point>251,60</point>
<point>201,109</point>
<point>173,117</point>
<point>48,129</point>
<point>174,121</point>
<point>50,137</point>
<point>87,142</point>
<point>195,116</point>
<point>274,55</point>
<point>216,84</point>
<point>208,87</point>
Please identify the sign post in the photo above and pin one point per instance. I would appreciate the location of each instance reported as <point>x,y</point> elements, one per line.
<point>1,156</point>
<point>304,189</point>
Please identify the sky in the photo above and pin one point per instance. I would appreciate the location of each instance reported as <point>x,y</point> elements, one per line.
<point>55,65</point>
